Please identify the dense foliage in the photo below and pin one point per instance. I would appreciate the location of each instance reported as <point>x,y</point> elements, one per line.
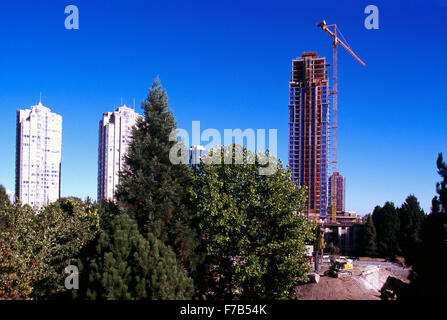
<point>411,220</point>
<point>153,190</point>
<point>390,232</point>
<point>122,264</point>
<point>4,199</point>
<point>35,248</point>
<point>431,251</point>
<point>250,228</point>
<point>386,221</point>
<point>370,238</point>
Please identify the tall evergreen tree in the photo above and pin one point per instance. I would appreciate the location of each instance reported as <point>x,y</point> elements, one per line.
<point>435,205</point>
<point>386,221</point>
<point>122,264</point>
<point>152,189</point>
<point>107,211</point>
<point>431,254</point>
<point>441,187</point>
<point>370,240</point>
<point>411,218</point>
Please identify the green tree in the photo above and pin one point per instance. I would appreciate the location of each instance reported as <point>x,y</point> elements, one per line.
<point>107,211</point>
<point>427,278</point>
<point>36,248</point>
<point>411,218</point>
<point>4,199</point>
<point>386,221</point>
<point>319,242</point>
<point>152,190</point>
<point>64,227</point>
<point>18,268</point>
<point>122,264</point>
<point>370,240</point>
<point>249,227</point>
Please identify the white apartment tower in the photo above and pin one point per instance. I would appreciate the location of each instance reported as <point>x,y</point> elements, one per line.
<point>115,131</point>
<point>38,156</point>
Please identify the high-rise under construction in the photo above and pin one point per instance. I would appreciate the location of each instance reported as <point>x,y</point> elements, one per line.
<point>308,130</point>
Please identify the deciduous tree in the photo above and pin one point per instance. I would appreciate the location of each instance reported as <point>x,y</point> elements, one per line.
<point>250,227</point>
<point>36,248</point>
<point>4,199</point>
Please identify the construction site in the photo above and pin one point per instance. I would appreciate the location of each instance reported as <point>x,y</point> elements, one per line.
<point>313,146</point>
<point>313,107</point>
<point>346,279</point>
<point>313,124</point>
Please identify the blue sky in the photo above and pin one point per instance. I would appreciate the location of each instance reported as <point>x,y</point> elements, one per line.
<point>227,64</point>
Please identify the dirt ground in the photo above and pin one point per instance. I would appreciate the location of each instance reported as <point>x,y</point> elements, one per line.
<point>364,284</point>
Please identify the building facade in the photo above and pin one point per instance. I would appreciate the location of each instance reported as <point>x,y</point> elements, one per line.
<point>346,233</point>
<point>115,131</point>
<point>337,183</point>
<point>308,130</point>
<point>38,156</point>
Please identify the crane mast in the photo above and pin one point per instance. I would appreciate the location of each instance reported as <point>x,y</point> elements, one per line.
<point>334,92</point>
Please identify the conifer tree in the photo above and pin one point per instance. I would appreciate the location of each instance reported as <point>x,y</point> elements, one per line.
<point>411,218</point>
<point>432,252</point>
<point>386,221</point>
<point>152,190</point>
<point>370,245</point>
<point>122,264</point>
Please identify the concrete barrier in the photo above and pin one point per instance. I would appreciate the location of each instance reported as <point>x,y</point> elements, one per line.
<point>313,277</point>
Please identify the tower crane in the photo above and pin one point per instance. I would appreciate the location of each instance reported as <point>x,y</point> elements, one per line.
<point>336,41</point>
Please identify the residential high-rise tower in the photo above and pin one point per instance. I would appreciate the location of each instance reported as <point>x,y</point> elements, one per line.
<point>339,187</point>
<point>115,131</point>
<point>38,156</point>
<point>308,130</point>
